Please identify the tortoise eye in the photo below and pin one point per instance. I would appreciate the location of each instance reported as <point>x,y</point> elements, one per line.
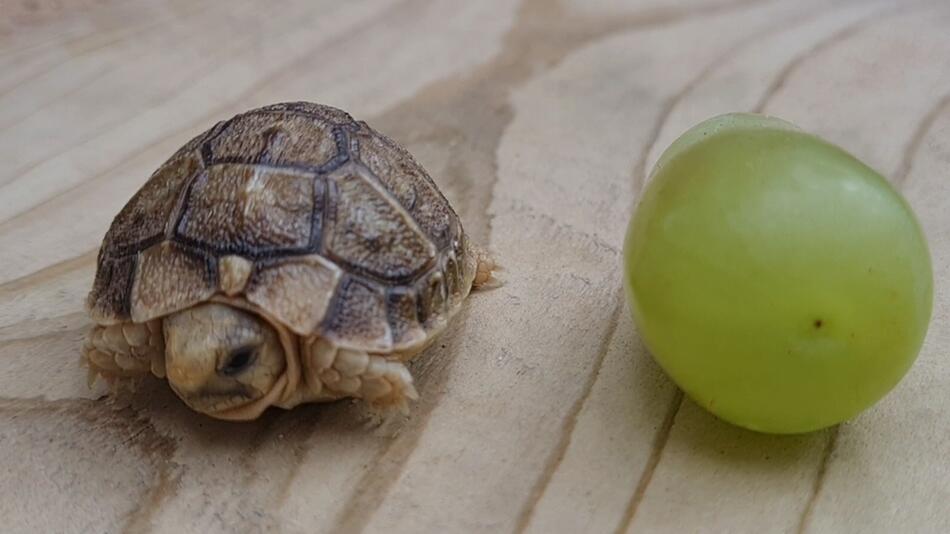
<point>239,360</point>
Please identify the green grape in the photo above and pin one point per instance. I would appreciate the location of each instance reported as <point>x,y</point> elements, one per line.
<point>781,283</point>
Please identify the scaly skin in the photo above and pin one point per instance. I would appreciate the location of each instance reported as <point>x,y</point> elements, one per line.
<point>199,351</point>
<point>124,351</point>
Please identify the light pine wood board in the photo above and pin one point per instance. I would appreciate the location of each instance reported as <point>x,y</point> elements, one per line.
<point>541,411</point>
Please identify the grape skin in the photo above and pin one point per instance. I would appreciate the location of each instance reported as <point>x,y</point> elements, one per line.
<point>781,283</point>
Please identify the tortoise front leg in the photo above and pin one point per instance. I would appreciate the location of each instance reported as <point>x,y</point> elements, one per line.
<point>382,382</point>
<point>484,270</point>
<point>125,350</point>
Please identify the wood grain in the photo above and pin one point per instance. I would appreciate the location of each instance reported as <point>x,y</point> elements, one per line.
<point>541,411</point>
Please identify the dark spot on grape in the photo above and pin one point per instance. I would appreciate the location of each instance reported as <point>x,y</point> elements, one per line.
<point>818,323</point>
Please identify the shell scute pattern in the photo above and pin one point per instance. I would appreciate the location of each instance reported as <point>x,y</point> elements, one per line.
<point>376,241</point>
<point>278,284</point>
<point>358,318</point>
<point>143,219</point>
<point>403,317</point>
<point>373,235</point>
<point>249,210</point>
<point>108,302</point>
<point>278,138</point>
<point>409,184</point>
<point>170,277</point>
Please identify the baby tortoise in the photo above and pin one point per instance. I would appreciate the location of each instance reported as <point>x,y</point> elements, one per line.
<point>290,254</point>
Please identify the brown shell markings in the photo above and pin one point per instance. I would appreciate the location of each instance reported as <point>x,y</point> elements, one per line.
<point>333,228</point>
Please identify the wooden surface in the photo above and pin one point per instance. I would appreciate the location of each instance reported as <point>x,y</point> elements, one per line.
<point>540,410</point>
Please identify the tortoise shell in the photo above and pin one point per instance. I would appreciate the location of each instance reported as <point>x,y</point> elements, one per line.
<point>334,230</point>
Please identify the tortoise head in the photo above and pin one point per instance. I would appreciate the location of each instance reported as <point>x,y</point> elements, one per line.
<point>223,361</point>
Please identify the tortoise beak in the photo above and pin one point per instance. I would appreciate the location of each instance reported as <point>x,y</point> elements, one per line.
<point>253,409</point>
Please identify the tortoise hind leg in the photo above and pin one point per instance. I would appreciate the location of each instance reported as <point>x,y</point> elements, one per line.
<point>382,382</point>
<point>124,350</point>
